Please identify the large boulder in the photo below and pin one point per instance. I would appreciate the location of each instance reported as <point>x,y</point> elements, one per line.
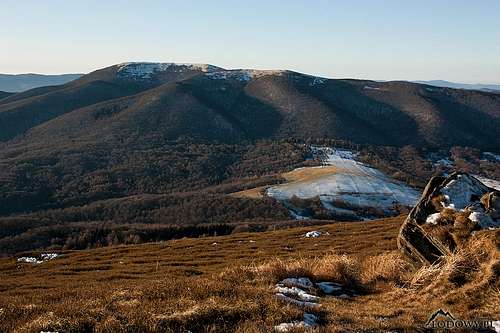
<point>449,211</point>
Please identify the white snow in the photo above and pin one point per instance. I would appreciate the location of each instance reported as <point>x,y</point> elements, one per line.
<point>489,182</point>
<point>317,80</point>
<point>464,193</point>
<point>458,192</point>
<point>492,156</point>
<point>352,182</point>
<point>145,70</point>
<point>301,282</point>
<point>43,257</point>
<point>496,326</point>
<point>288,299</point>
<point>243,75</point>
<point>48,256</point>
<point>296,293</point>
<point>298,216</point>
<point>289,290</point>
<point>371,88</point>
<point>29,260</point>
<point>433,218</point>
<point>309,321</point>
<point>329,287</point>
<point>484,220</point>
<point>312,234</point>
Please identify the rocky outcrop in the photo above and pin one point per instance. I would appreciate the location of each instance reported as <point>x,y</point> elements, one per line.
<point>449,211</point>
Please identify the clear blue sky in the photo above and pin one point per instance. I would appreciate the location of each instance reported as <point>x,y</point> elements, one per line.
<point>454,40</point>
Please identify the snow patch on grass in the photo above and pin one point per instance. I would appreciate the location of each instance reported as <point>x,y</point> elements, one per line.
<point>312,234</point>
<point>301,282</point>
<point>34,260</point>
<point>295,293</point>
<point>309,321</point>
<point>484,220</point>
<point>433,218</point>
<point>292,291</point>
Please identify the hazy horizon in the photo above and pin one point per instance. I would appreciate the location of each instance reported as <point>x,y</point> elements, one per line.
<point>356,78</point>
<point>425,40</point>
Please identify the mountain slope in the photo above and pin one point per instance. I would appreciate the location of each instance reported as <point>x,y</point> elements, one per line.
<point>22,111</point>
<point>248,104</point>
<point>176,100</point>
<point>4,94</point>
<point>23,82</point>
<point>153,129</point>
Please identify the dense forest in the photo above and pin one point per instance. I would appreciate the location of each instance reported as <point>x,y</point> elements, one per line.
<point>106,157</point>
<point>177,189</point>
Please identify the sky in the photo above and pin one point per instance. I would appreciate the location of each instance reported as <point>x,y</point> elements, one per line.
<point>453,40</point>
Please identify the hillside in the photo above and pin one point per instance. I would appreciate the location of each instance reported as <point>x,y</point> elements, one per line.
<point>208,103</point>
<point>229,284</point>
<point>22,82</point>
<point>4,94</point>
<point>130,149</point>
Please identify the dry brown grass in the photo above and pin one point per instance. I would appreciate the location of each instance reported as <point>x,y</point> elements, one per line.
<point>311,173</point>
<point>253,193</point>
<point>298,175</point>
<point>190,284</point>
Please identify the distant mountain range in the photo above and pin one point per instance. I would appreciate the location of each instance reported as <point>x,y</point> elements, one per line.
<point>12,83</point>
<point>23,82</point>
<point>448,84</point>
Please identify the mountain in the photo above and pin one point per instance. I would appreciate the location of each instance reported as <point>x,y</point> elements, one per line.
<point>209,103</point>
<point>448,84</point>
<point>163,144</point>
<point>4,94</point>
<point>23,82</point>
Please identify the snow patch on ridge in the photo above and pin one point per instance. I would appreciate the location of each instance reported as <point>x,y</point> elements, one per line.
<point>317,80</point>
<point>145,70</point>
<point>243,75</point>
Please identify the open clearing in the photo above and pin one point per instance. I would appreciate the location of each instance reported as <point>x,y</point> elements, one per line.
<point>342,184</point>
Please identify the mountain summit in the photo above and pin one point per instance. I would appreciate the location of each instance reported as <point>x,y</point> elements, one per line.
<point>206,102</point>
